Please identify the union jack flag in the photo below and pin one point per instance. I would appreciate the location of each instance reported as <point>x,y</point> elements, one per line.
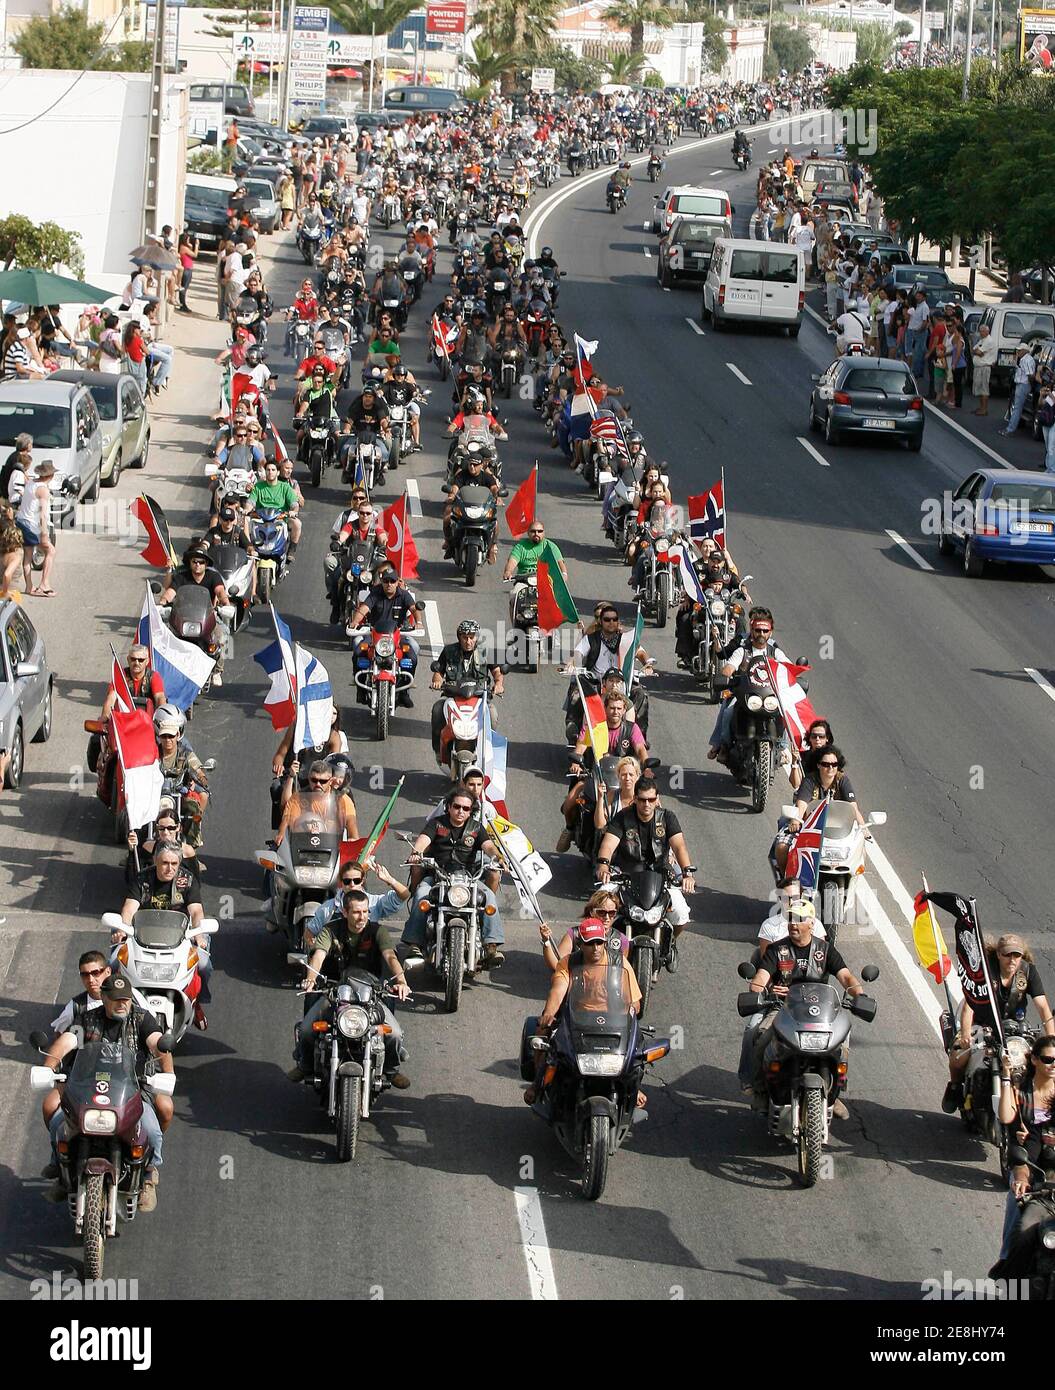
<point>805,853</point>
<point>707,514</point>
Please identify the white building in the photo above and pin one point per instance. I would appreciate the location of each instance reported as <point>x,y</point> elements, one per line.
<point>835,47</point>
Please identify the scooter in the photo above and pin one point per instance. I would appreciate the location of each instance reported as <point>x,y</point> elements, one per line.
<point>269,533</point>
<point>463,719</point>
<point>523,616</point>
<point>236,568</point>
<point>160,959</point>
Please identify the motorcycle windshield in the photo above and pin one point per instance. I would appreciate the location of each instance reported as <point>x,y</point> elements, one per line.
<point>362,983</point>
<point>319,410</point>
<point>191,604</point>
<point>597,1007</point>
<point>643,889</point>
<point>315,829</point>
<point>228,559</point>
<point>473,495</point>
<point>839,821</point>
<point>159,930</point>
<point>108,1062</point>
<point>812,1003</point>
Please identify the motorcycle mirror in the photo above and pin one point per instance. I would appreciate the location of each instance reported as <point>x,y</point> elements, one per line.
<point>296,958</point>
<point>870,973</point>
<point>208,765</point>
<point>207,926</point>
<point>815,377</point>
<point>789,812</point>
<point>745,578</point>
<point>749,1003</point>
<point>864,1007</point>
<point>166,1043</point>
<point>156,587</point>
<point>419,606</point>
<point>113,921</point>
<point>39,1040</point>
<point>652,762</point>
<point>745,970</point>
<point>503,492</point>
<point>211,470</point>
<point>43,1078</point>
<point>877,818</point>
<point>446,487</point>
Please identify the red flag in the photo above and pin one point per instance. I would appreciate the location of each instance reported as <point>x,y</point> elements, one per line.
<point>402,553</point>
<point>520,510</point>
<point>137,752</point>
<point>795,705</point>
<point>555,603</point>
<point>158,551</point>
<point>125,703</point>
<point>444,336</point>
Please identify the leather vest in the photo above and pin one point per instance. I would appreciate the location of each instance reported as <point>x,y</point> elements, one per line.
<point>815,969</point>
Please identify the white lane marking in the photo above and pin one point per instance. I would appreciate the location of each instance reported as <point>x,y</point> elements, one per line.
<point>646,226</point>
<point>647,252</point>
<point>715,171</point>
<point>906,906</point>
<point>665,289</point>
<point>413,497</point>
<point>695,326</point>
<point>738,373</point>
<point>998,459</point>
<point>1042,681</point>
<point>553,200</point>
<point>812,451</point>
<point>909,551</point>
<point>432,626</point>
<point>900,954</point>
<point>535,1245</point>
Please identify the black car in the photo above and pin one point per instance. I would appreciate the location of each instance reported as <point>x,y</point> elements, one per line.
<point>867,395</point>
<point>206,207</point>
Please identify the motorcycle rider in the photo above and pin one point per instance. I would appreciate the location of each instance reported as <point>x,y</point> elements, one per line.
<point>390,285</point>
<point>759,641</point>
<point>170,885</point>
<point>506,335</point>
<point>472,473</point>
<point>644,836</point>
<point>741,145</point>
<point>319,791</point>
<point>401,388</point>
<point>146,686</point>
<point>197,570</point>
<point>624,739</point>
<point>120,1019</point>
<point>1028,1110</point>
<point>357,522</point>
<point>1015,980</point>
<point>352,941</point>
<point>472,342</point>
<point>597,652</point>
<point>475,421</point>
<point>369,411</point>
<point>462,660</point>
<point>353,879</point>
<point>456,841</point>
<point>524,557</point>
<point>274,494</point>
<point>228,531</point>
<point>389,606</point>
<point>802,955</point>
<point>319,388</point>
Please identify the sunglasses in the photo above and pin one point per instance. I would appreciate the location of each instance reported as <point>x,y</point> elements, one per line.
<point>1011,955</point>
<point>1048,1059</point>
<point>646,800</point>
<point>137,661</point>
<point>605,912</point>
<point>818,733</point>
<point>391,579</point>
<point>92,974</point>
<point>197,562</point>
<point>761,629</point>
<point>351,882</point>
<point>826,764</point>
<point>610,618</point>
<point>319,781</point>
<point>534,533</point>
<point>461,806</point>
<point>239,434</point>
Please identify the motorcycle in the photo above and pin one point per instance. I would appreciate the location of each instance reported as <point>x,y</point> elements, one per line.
<point>299,338</point>
<point>160,959</point>
<point>356,563</point>
<point>192,617</point>
<point>304,867</point>
<point>391,210</point>
<point>232,488</point>
<point>756,729</point>
<point>742,157</point>
<point>364,464</point>
<point>463,719</point>
<point>454,940</point>
<point>588,1074</point>
<point>604,782</point>
<point>655,168</point>
<point>510,371</point>
<point>269,533</point>
<point>473,522</point>
<point>616,198</point>
<point>1041,1271</point>
<point>661,588</point>
<point>102,1148</point>
<point>318,446</point>
<point>804,1064</point>
<point>523,615</point>
<point>981,1082</point>
<point>842,862</point>
<point>235,567</point>
<point>349,1053</point>
<point>309,243</point>
<point>644,917</point>
<point>497,295</point>
<point>576,161</point>
<point>383,670</point>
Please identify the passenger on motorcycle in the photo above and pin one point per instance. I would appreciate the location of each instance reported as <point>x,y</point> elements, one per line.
<point>319,791</point>
<point>276,495</point>
<point>760,641</point>
<point>455,842</point>
<point>603,906</point>
<point>1028,1109</point>
<point>625,741</point>
<point>353,879</point>
<point>462,660</point>
<point>238,451</point>
<point>166,832</point>
<point>645,836</point>
<point>180,767</point>
<point>388,606</point>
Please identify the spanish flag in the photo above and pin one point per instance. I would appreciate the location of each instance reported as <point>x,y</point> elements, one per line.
<point>930,947</point>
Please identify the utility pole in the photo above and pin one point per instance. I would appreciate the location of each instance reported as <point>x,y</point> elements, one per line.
<point>922,19</point>
<point>287,74</point>
<point>157,100</point>
<point>967,49</point>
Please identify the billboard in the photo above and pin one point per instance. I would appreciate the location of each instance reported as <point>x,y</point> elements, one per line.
<point>445,17</point>
<point>1036,39</point>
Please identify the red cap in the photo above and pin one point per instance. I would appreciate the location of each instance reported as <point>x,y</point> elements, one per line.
<point>592,929</point>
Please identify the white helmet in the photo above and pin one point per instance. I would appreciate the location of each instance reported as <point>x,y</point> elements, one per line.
<point>169,719</point>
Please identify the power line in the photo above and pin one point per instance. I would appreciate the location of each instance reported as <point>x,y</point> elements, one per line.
<point>11,130</point>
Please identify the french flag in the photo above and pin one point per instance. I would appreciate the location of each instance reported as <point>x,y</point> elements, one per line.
<point>314,701</point>
<point>183,667</point>
<point>279,665</point>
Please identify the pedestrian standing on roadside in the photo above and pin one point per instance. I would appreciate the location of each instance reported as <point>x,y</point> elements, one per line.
<point>34,521</point>
<point>187,251</point>
<point>916,334</point>
<point>10,550</point>
<point>134,347</point>
<point>956,356</point>
<point>1025,369</point>
<point>287,198</point>
<point>983,355</point>
<point>935,341</point>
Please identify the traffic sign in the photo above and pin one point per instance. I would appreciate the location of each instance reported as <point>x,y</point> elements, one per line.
<point>542,79</point>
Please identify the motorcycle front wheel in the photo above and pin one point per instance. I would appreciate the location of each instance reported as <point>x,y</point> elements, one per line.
<point>832,911</point>
<point>641,959</point>
<point>472,560</point>
<point>763,772</point>
<point>453,969</point>
<point>595,1157</point>
<point>349,1093</point>
<point>811,1137</point>
<point>93,1231</point>
<point>381,718</point>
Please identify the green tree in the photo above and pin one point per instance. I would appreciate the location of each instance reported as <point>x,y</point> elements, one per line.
<point>356,16</point>
<point>904,29</point>
<point>875,43</point>
<point>635,14</point>
<point>654,80</point>
<point>715,50</point>
<point>789,49</point>
<point>570,73</point>
<point>39,245</point>
<point>61,40</point>
<point>524,27</point>
<point>625,68</point>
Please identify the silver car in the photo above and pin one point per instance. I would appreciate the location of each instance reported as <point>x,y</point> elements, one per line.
<point>25,689</point>
<point>122,416</point>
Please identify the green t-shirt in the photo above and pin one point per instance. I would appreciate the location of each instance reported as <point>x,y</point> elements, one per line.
<point>527,554</point>
<point>278,495</point>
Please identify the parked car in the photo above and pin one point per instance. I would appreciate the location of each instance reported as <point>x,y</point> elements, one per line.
<point>207,205</point>
<point>25,689</point>
<point>867,395</point>
<point>424,99</point>
<point>822,170</point>
<point>1003,515</point>
<point>319,127</point>
<point>686,249</point>
<point>909,275</point>
<point>64,421</point>
<point>236,97</point>
<point>263,205</point>
<point>1011,324</point>
<point>122,416</point>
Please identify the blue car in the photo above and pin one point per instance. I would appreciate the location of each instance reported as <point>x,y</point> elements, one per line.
<point>1000,514</point>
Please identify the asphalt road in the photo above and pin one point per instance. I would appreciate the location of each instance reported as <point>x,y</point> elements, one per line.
<point>926,681</point>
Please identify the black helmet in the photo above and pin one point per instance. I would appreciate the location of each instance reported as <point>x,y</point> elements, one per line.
<point>253,357</point>
<point>343,768</point>
<point>546,254</point>
<point>468,627</point>
<point>399,369</point>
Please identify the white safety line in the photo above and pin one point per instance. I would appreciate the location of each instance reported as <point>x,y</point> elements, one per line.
<point>715,171</point>
<point>646,226</point>
<point>910,551</point>
<point>812,451</point>
<point>738,373</point>
<point>432,626</point>
<point>413,497</point>
<point>1042,681</point>
<point>648,253</point>
<point>695,326</point>
<point>535,1245</point>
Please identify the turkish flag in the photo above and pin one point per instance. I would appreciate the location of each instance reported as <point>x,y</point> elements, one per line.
<point>520,511</point>
<point>402,553</point>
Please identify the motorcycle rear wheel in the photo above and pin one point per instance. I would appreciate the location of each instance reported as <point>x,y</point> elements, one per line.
<point>263,585</point>
<point>349,1094</point>
<point>595,1157</point>
<point>94,1235</point>
<point>811,1137</point>
<point>453,969</point>
<point>641,959</point>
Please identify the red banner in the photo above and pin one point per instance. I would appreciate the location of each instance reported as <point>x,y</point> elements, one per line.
<point>445,17</point>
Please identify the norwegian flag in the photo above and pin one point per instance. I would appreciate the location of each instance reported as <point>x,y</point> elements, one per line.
<point>804,855</point>
<point>707,514</point>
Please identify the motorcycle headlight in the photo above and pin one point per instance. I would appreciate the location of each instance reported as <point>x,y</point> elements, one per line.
<point>192,629</point>
<point>754,702</point>
<point>654,914</point>
<point>718,609</point>
<point>662,546</point>
<point>814,1042</point>
<point>99,1122</point>
<point>1048,1238</point>
<point>463,728</point>
<point>474,513</point>
<point>458,895</point>
<point>636,914</point>
<point>385,646</point>
<point>601,1063</point>
<point>311,876</point>
<point>158,974</point>
<point>352,1022</point>
<point>771,704</point>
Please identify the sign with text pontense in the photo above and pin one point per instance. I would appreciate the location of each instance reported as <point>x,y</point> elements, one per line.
<point>445,17</point>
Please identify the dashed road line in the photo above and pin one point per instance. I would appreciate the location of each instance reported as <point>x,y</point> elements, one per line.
<point>695,326</point>
<point>535,1244</point>
<point>738,373</point>
<point>432,626</point>
<point>813,453</point>
<point>1042,681</point>
<point>413,497</point>
<point>910,551</point>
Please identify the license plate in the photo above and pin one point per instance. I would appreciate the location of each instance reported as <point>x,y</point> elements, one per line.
<point>878,424</point>
<point>1031,528</point>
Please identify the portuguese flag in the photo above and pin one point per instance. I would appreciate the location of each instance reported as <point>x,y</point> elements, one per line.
<point>555,603</point>
<point>360,850</point>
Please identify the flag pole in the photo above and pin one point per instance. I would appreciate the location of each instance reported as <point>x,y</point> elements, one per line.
<point>994,1008</point>
<point>940,953</point>
<point>725,511</point>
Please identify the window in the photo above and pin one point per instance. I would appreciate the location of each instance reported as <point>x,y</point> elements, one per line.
<point>11,643</point>
<point>130,401</point>
<point>1031,496</point>
<point>700,205</point>
<point>1018,324</point>
<point>893,383</point>
<point>698,232</point>
<point>207,91</point>
<point>746,265</point>
<point>19,639</point>
<point>48,424</point>
<point>783,267</point>
<point>105,398</point>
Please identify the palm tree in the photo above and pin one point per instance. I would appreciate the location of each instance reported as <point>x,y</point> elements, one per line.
<point>356,16</point>
<point>523,27</point>
<point>488,63</point>
<point>624,68</point>
<point>635,14</point>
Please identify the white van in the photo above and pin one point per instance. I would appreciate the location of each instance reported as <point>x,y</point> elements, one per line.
<point>1010,325</point>
<point>757,282</point>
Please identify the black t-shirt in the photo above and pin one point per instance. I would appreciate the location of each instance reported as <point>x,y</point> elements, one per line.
<point>810,790</point>
<point>360,417</point>
<point>454,664</point>
<point>99,1028</point>
<point>211,580</point>
<point>770,959</point>
<point>639,844</point>
<point>386,614</point>
<point>1034,988</point>
<point>398,392</point>
<point>485,478</point>
<point>454,847</point>
<point>177,896</point>
<point>216,536</point>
